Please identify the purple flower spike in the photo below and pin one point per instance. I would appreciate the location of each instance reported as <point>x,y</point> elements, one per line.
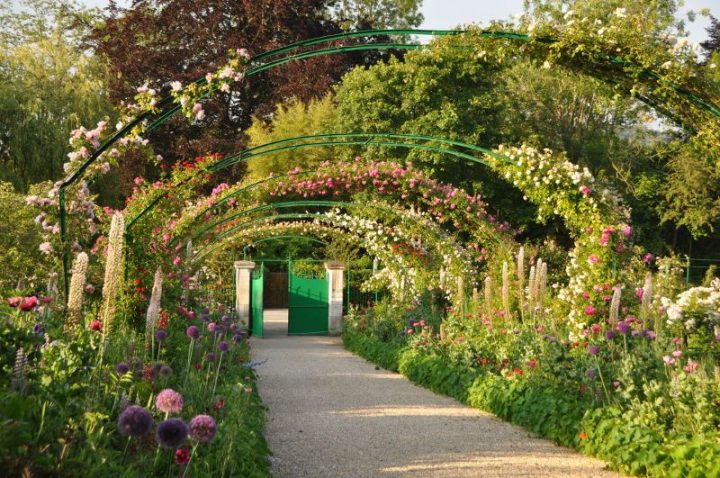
<point>202,428</point>
<point>172,433</point>
<point>193,332</point>
<point>593,350</point>
<point>223,347</point>
<point>134,421</point>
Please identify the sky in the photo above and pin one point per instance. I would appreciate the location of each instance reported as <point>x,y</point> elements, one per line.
<point>445,14</point>
<point>450,13</point>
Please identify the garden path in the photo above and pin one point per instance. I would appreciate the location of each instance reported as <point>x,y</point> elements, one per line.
<point>332,414</point>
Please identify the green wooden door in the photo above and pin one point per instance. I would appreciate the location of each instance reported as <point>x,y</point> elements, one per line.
<point>256,302</point>
<point>308,300</point>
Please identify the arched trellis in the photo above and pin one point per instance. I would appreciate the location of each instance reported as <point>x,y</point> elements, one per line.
<point>167,102</point>
<point>452,148</point>
<point>330,229</point>
<point>284,236</point>
<point>219,238</point>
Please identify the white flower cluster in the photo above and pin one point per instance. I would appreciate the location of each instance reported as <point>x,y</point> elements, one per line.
<point>695,307</point>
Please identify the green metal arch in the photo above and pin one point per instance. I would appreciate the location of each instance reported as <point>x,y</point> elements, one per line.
<point>330,140</point>
<point>275,206</point>
<point>284,236</point>
<point>201,252</point>
<point>700,102</point>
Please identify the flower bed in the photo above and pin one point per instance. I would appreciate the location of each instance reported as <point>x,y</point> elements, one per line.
<point>183,405</point>
<point>640,393</point>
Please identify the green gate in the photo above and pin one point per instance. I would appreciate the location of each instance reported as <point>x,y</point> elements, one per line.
<point>308,298</point>
<point>256,302</point>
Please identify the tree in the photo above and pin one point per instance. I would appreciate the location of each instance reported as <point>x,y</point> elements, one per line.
<point>48,87</point>
<point>292,120</point>
<point>156,42</point>
<point>378,14</point>
<point>712,44</point>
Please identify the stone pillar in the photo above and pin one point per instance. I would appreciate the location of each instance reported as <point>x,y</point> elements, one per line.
<point>335,276</point>
<point>243,275</point>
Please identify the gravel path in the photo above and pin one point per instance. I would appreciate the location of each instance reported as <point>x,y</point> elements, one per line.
<point>331,414</point>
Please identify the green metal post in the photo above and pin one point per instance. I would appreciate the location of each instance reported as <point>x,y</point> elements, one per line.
<point>687,270</point>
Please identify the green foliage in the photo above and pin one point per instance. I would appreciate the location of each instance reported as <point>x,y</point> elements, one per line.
<point>21,263</point>
<point>377,14</point>
<point>291,120</point>
<point>48,86</point>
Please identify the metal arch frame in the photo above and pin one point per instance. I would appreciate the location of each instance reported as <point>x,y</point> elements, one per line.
<point>284,236</point>
<point>329,140</point>
<point>283,205</point>
<point>164,116</point>
<point>225,234</point>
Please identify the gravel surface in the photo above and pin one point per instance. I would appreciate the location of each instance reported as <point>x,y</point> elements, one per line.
<point>332,414</point>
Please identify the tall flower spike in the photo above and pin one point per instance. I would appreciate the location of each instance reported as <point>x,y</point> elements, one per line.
<point>77,289</point>
<point>506,288</point>
<point>154,308</point>
<point>542,287</point>
<point>19,370</point>
<point>615,305</point>
<point>488,295</point>
<point>113,271</point>
<point>531,289</point>
<point>521,277</point>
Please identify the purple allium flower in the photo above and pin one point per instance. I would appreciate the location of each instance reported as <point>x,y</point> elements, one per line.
<point>635,333</point>
<point>650,335</point>
<point>160,335</point>
<point>212,327</point>
<point>169,401</point>
<point>122,368</point>
<point>210,357</point>
<point>233,327</point>
<point>225,319</point>
<point>609,335</point>
<point>165,371</point>
<point>590,373</point>
<point>237,338</point>
<point>134,421</point>
<point>623,327</point>
<point>202,428</point>
<point>593,350</point>
<point>223,347</point>
<point>38,329</point>
<point>205,317</point>
<point>193,332</point>
<point>206,311</point>
<point>172,433</point>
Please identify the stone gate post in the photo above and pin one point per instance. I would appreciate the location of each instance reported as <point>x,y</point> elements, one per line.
<point>335,276</point>
<point>243,276</point>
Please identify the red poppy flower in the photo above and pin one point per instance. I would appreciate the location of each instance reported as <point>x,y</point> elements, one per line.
<point>29,303</point>
<point>182,456</point>
<point>14,301</point>
<point>95,325</point>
